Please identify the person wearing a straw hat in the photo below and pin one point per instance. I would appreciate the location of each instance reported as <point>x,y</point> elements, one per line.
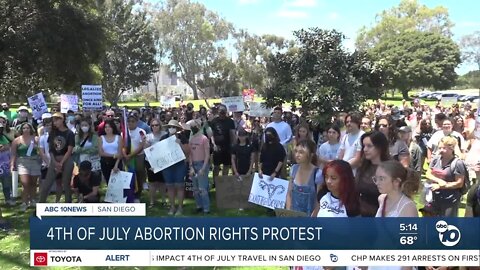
<point>175,175</point>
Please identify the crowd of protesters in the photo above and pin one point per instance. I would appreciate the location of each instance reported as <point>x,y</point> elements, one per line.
<point>366,163</point>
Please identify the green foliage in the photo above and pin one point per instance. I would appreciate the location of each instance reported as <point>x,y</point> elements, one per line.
<point>48,44</point>
<point>409,15</point>
<point>320,74</point>
<point>469,80</point>
<point>417,59</point>
<point>130,56</point>
<point>191,37</point>
<point>470,45</point>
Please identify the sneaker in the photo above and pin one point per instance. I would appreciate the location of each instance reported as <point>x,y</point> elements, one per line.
<point>171,212</point>
<point>23,207</point>
<point>136,201</point>
<point>11,202</point>
<point>179,212</point>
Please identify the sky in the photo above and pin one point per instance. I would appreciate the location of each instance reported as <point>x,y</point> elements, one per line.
<point>282,17</point>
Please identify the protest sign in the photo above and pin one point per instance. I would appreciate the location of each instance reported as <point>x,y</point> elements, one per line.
<point>118,182</point>
<point>248,95</point>
<point>4,163</point>
<point>234,104</point>
<point>167,101</point>
<point>258,109</point>
<point>92,97</point>
<point>94,160</point>
<point>38,105</point>
<point>271,194</point>
<point>448,101</point>
<point>68,102</point>
<point>164,154</point>
<point>232,192</point>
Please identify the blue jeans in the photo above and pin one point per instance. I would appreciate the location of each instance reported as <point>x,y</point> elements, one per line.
<point>7,186</point>
<point>200,186</point>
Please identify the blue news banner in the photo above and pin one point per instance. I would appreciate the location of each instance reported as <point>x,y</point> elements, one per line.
<point>148,233</point>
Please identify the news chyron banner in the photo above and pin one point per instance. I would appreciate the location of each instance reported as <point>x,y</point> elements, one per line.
<point>130,239</point>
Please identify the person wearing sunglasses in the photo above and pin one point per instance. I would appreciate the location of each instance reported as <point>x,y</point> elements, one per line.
<point>109,115</point>
<point>397,147</point>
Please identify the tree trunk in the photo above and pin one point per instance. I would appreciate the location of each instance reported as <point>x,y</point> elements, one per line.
<point>405,93</point>
<point>193,85</point>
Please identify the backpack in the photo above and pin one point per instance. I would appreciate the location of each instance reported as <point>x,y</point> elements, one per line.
<point>466,181</point>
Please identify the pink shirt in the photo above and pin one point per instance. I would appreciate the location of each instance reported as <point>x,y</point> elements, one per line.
<point>199,145</point>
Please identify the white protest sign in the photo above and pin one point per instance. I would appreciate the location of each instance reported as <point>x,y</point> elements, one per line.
<point>92,97</point>
<point>167,101</point>
<point>117,183</point>
<point>270,194</point>
<point>68,102</point>
<point>94,160</point>
<point>259,109</point>
<point>38,105</point>
<point>164,154</point>
<point>234,104</point>
<point>448,101</point>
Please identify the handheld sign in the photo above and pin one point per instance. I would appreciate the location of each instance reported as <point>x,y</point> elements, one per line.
<point>38,105</point>
<point>92,97</point>
<point>248,95</point>
<point>270,194</point>
<point>258,109</point>
<point>167,101</point>
<point>118,182</point>
<point>164,154</point>
<point>68,102</point>
<point>234,104</point>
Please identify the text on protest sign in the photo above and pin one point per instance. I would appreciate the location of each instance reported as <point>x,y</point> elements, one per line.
<point>234,104</point>
<point>449,101</point>
<point>270,194</point>
<point>68,102</point>
<point>248,95</point>
<point>38,105</point>
<point>259,109</point>
<point>92,97</point>
<point>167,101</point>
<point>164,154</point>
<point>118,182</point>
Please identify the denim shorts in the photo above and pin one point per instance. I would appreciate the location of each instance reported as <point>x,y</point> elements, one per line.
<point>175,174</point>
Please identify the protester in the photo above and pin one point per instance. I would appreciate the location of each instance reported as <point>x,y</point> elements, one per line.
<point>283,130</point>
<point>350,146</point>
<point>223,138</point>
<point>302,132</point>
<point>243,155</point>
<point>398,148</point>
<point>5,175</point>
<point>272,155</point>
<point>86,184</point>
<point>155,180</point>
<point>110,150</point>
<point>446,130</point>
<point>86,142</point>
<point>7,113</point>
<point>199,166</point>
<point>26,160</point>
<point>305,177</point>
<point>329,150</point>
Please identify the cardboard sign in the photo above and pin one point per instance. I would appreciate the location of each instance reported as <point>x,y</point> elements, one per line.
<point>248,95</point>
<point>95,160</point>
<point>4,163</point>
<point>38,105</point>
<point>258,109</point>
<point>234,104</point>
<point>164,154</point>
<point>232,192</point>
<point>270,194</point>
<point>167,101</point>
<point>92,97</point>
<point>118,182</point>
<point>448,101</point>
<point>68,102</point>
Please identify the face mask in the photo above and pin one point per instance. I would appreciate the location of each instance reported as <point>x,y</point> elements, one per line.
<point>85,129</point>
<point>172,130</point>
<point>70,118</point>
<point>47,129</point>
<point>194,130</point>
<point>23,114</point>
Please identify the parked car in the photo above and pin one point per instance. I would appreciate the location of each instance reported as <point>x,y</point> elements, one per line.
<point>424,94</point>
<point>435,96</point>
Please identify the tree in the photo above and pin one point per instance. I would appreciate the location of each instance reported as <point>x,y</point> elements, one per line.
<point>417,59</point>
<point>470,45</point>
<point>48,44</point>
<point>130,57</point>
<point>192,36</point>
<point>320,74</point>
<point>409,15</point>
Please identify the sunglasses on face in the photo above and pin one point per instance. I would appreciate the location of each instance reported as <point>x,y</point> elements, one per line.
<point>383,126</point>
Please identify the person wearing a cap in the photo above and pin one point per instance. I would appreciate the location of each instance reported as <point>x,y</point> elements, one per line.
<point>135,157</point>
<point>22,117</point>
<point>140,123</point>
<point>398,148</point>
<point>86,184</point>
<point>175,175</point>
<point>61,143</point>
<point>7,113</point>
<point>199,160</point>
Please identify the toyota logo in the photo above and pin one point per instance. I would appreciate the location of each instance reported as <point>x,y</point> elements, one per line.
<point>40,259</point>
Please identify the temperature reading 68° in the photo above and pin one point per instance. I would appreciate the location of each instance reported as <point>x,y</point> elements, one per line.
<point>408,240</point>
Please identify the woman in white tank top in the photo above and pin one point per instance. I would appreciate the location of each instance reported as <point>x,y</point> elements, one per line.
<point>110,150</point>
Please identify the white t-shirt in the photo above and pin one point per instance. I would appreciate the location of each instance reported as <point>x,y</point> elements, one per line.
<point>331,207</point>
<point>43,144</point>
<point>136,138</point>
<point>284,131</point>
<point>351,144</point>
<point>438,136</point>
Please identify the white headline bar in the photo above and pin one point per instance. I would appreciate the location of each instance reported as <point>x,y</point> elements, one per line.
<point>90,209</point>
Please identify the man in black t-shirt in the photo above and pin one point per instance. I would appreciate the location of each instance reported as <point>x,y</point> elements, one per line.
<point>86,184</point>
<point>224,137</point>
